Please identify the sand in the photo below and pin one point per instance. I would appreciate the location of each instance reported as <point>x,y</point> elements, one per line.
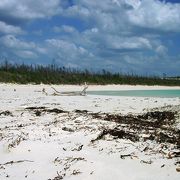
<point>58,145</point>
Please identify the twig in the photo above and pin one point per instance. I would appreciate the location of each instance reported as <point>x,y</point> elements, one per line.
<point>14,162</point>
<point>146,162</point>
<point>125,155</point>
<point>56,90</point>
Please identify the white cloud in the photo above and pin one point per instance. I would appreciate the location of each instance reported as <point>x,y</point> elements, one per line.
<point>64,28</point>
<point>162,50</point>
<point>120,32</point>
<point>26,54</point>
<point>134,3</point>
<point>11,41</point>
<point>78,11</point>
<point>66,50</point>
<point>29,9</point>
<point>41,50</point>
<point>156,15</point>
<point>116,42</point>
<point>123,15</point>
<point>21,48</point>
<point>115,27</point>
<point>94,30</point>
<point>61,44</point>
<point>9,29</point>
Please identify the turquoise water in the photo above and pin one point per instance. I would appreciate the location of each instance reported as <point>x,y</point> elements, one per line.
<point>139,93</point>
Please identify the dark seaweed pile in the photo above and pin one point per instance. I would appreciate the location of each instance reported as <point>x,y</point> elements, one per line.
<point>156,126</point>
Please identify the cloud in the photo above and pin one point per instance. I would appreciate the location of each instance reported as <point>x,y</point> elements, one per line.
<point>130,27</point>
<point>12,42</point>
<point>18,11</point>
<point>64,28</point>
<point>23,49</point>
<point>128,34</point>
<point>9,29</point>
<point>26,54</point>
<point>66,50</point>
<point>124,14</point>
<point>162,51</point>
<point>156,15</point>
<point>116,42</point>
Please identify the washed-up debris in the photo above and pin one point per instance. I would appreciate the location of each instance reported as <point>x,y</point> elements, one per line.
<point>39,110</point>
<point>176,163</point>
<point>117,133</point>
<point>151,123</point>
<point>155,125</point>
<point>73,93</point>
<point>67,129</point>
<point>176,154</point>
<point>164,137</point>
<point>98,115</point>
<point>81,111</point>
<point>146,162</point>
<point>16,141</point>
<point>178,169</point>
<point>123,156</point>
<point>78,148</point>
<point>38,113</point>
<point>15,162</point>
<point>6,113</point>
<point>67,163</point>
<point>36,108</point>
<point>149,119</point>
<point>76,172</point>
<point>55,110</point>
<point>59,176</point>
<point>158,115</point>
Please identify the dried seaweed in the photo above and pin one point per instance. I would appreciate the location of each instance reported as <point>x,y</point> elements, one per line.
<point>6,113</point>
<point>157,125</point>
<point>117,133</point>
<point>39,110</point>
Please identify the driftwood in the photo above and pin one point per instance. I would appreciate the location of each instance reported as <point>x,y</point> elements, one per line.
<point>72,93</point>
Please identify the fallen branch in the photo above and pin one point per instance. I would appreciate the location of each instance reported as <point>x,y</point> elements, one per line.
<point>15,162</point>
<point>56,90</point>
<point>73,93</point>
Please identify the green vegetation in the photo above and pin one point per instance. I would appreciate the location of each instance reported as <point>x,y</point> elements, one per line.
<point>51,74</point>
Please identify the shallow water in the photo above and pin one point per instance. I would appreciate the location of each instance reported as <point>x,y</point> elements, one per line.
<point>139,93</point>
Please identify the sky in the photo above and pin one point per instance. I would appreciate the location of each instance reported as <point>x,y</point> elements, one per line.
<point>126,36</point>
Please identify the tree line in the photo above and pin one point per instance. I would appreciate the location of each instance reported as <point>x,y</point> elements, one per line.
<point>53,74</point>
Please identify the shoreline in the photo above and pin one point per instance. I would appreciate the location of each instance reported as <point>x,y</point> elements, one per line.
<point>68,87</point>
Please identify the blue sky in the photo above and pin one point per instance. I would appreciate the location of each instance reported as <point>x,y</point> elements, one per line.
<point>135,36</point>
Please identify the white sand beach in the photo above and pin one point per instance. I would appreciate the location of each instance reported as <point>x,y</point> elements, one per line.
<point>55,137</point>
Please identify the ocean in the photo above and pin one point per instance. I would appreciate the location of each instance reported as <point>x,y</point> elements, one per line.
<point>139,93</point>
